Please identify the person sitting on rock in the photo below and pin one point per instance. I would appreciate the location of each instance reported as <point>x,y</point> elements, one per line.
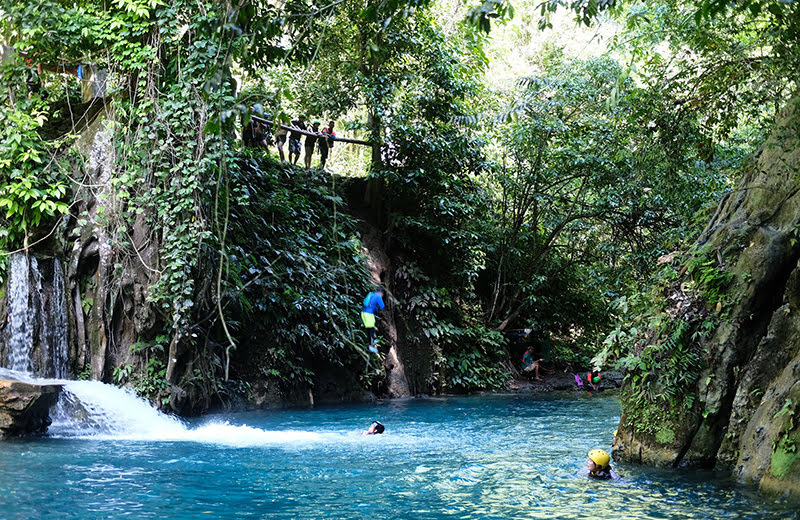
<point>531,365</point>
<point>375,428</point>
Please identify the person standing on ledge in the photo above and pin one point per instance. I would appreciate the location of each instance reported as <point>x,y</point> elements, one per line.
<point>373,301</point>
<point>326,144</point>
<point>311,141</point>
<point>294,138</point>
<point>280,140</point>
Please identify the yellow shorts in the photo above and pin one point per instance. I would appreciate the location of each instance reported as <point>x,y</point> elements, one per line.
<point>368,319</point>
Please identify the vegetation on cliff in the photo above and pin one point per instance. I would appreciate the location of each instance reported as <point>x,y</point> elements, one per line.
<point>199,269</point>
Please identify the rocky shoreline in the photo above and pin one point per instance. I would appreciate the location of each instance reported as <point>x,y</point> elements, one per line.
<point>25,407</point>
<point>561,380</point>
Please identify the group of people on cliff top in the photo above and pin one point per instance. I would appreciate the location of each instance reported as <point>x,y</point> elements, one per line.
<point>259,134</point>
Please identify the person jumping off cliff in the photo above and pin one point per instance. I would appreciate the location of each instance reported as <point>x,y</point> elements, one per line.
<point>373,301</point>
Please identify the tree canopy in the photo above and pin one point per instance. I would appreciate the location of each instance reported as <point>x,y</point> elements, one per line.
<point>541,202</point>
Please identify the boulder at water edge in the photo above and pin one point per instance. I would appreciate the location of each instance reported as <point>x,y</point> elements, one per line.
<point>25,407</point>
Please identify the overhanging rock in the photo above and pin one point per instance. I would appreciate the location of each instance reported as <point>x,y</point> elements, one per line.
<point>25,407</point>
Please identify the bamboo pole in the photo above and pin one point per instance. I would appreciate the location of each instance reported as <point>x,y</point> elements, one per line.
<point>307,132</point>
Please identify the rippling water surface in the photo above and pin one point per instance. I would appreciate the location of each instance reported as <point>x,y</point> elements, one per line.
<point>484,457</point>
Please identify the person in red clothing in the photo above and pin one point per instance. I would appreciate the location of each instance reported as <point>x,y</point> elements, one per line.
<point>326,144</point>
<point>594,378</point>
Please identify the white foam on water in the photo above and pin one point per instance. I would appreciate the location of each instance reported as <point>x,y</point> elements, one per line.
<point>95,409</point>
<point>243,436</point>
<point>91,409</point>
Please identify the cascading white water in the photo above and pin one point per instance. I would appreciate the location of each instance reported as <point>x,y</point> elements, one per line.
<point>92,408</point>
<point>19,310</point>
<point>59,328</point>
<point>100,411</point>
<point>37,311</point>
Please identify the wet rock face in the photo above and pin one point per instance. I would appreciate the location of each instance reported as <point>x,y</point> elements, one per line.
<point>25,407</point>
<point>749,396</point>
<point>33,317</point>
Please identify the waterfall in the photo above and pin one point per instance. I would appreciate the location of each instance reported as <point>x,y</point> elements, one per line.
<point>37,336</point>
<point>91,409</point>
<point>37,347</point>
<point>22,317</point>
<point>38,316</point>
<point>59,323</point>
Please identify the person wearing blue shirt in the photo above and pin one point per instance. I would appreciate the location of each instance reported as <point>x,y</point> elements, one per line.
<point>529,364</point>
<point>373,301</point>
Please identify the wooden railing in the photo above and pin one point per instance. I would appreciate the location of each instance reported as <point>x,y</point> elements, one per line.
<point>311,133</point>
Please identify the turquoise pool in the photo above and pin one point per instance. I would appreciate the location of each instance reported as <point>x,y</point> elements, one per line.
<point>483,457</point>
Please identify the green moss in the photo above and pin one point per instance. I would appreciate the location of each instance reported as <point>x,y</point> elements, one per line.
<point>785,457</point>
<point>665,436</point>
<point>652,417</point>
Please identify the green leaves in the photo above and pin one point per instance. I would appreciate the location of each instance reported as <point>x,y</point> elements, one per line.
<point>32,188</point>
<point>296,281</point>
<point>482,15</point>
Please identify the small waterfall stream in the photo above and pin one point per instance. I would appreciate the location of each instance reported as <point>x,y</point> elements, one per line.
<point>37,349</point>
<point>58,324</point>
<point>37,335</point>
<point>20,314</point>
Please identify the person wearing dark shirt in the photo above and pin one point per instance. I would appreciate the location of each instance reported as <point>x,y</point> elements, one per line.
<point>375,428</point>
<point>311,141</point>
<point>599,466</point>
<point>294,138</point>
<point>254,134</point>
<point>326,144</point>
<point>373,302</point>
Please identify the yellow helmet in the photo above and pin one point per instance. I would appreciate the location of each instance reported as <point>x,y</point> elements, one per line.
<point>600,457</point>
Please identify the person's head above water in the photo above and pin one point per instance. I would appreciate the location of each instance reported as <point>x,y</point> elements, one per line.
<point>375,427</point>
<point>598,460</point>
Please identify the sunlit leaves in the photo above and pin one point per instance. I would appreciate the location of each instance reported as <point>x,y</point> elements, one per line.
<point>32,189</point>
<point>482,15</point>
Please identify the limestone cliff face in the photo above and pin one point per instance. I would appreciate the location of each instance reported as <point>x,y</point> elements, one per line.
<point>748,412</point>
<point>77,278</point>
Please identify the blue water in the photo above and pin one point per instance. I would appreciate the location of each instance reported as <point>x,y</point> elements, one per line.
<point>467,458</point>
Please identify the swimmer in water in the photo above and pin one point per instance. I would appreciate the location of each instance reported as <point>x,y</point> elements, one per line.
<point>375,428</point>
<point>599,466</point>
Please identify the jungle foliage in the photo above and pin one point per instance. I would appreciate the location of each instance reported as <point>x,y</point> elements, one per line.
<point>542,203</point>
